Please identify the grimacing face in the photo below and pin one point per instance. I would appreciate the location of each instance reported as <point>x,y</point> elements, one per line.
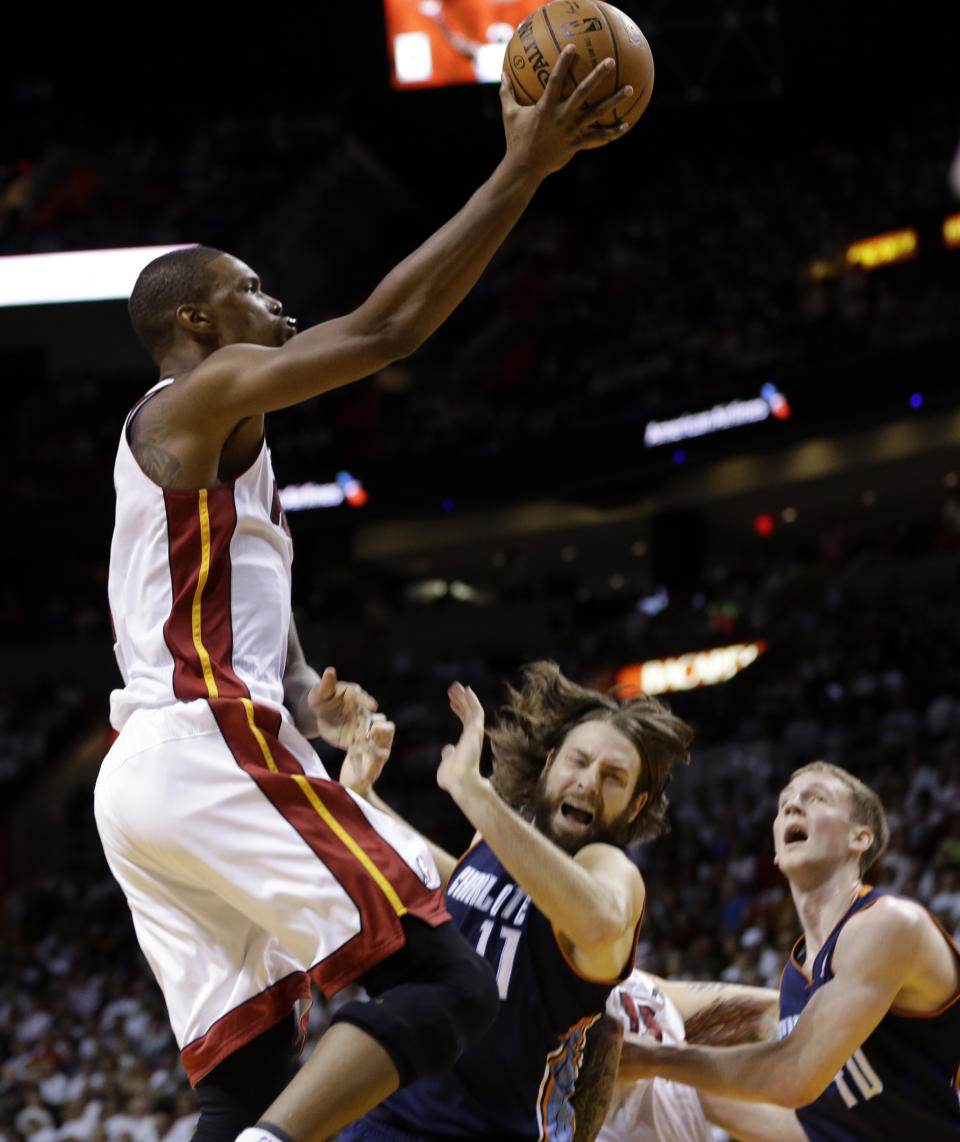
<point>586,791</point>
<point>813,824</point>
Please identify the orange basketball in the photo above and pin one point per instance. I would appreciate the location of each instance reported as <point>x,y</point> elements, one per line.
<point>597,30</point>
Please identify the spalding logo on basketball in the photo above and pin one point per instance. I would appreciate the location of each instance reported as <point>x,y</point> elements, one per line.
<point>598,31</point>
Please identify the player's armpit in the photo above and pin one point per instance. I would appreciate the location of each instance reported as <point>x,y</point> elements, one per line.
<point>752,1121</point>
<point>598,1073</point>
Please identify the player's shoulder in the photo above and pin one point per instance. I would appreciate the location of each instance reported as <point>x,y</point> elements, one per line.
<point>888,928</point>
<point>891,909</point>
<point>600,855</point>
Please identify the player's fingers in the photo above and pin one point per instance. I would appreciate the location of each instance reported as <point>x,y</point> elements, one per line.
<point>594,137</point>
<point>507,94</point>
<point>472,704</point>
<point>605,106</point>
<point>355,695</point>
<point>327,684</point>
<point>551,93</point>
<point>586,87</point>
<point>455,693</point>
<point>381,734</point>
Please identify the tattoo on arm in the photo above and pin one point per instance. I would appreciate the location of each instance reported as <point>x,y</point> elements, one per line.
<point>148,443</point>
<point>160,465</point>
<point>598,1072</point>
<point>730,1021</point>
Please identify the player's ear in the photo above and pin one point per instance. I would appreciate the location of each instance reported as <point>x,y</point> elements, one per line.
<point>861,838</point>
<point>195,319</point>
<point>546,765</point>
<point>638,803</point>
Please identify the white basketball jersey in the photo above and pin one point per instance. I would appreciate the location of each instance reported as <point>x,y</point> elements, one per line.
<point>654,1110</point>
<point>199,587</point>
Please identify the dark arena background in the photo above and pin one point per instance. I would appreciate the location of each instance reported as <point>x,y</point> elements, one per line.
<point>775,246</point>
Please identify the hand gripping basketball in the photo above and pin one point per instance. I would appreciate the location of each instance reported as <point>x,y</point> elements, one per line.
<point>553,129</point>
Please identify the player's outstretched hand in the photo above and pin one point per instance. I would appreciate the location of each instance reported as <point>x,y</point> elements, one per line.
<point>460,763</point>
<point>548,133</point>
<point>366,757</point>
<point>338,712</point>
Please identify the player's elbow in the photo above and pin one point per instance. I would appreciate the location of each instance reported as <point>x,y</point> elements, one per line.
<point>389,335</point>
<point>786,1079</point>
<point>794,1090</point>
<point>601,927</point>
<point>397,339</point>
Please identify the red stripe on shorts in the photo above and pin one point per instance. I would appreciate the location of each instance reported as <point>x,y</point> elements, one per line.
<point>199,530</point>
<point>381,932</point>
<point>243,1024</point>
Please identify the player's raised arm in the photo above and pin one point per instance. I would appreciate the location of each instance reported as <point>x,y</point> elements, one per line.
<point>417,296</point>
<point>594,898</point>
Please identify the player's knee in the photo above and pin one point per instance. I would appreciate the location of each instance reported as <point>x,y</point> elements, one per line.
<point>427,1020</point>
<point>474,997</point>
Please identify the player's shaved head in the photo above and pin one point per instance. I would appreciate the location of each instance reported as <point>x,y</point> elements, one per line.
<point>163,286</point>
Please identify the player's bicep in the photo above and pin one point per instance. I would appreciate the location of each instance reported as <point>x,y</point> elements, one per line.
<point>248,380</point>
<point>618,879</point>
<point>601,938</point>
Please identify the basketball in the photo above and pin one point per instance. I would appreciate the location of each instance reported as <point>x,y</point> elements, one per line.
<point>597,30</point>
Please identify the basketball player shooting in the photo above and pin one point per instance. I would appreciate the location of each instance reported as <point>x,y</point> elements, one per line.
<point>249,874</point>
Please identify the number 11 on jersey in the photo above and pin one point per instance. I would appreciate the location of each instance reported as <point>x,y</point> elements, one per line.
<point>510,938</point>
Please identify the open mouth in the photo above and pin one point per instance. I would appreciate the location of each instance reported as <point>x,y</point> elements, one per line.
<point>794,835</point>
<point>574,816</point>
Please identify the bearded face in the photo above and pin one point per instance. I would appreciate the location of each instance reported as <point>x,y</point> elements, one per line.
<point>586,792</point>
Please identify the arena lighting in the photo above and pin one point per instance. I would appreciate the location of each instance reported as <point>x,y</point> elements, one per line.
<point>951,230</point>
<point>302,497</point>
<point>882,250</point>
<point>431,43</point>
<point>688,671</point>
<point>721,417</point>
<point>77,275</point>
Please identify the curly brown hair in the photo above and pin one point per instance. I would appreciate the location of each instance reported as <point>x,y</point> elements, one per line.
<point>539,716</point>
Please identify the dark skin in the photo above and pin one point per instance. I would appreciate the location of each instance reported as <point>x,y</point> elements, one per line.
<point>237,311</point>
<point>233,358</point>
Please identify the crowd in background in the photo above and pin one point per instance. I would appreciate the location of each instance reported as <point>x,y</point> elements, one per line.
<point>691,285</point>
<point>860,668</point>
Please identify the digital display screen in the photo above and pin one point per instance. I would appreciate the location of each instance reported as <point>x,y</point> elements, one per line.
<point>439,43</point>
